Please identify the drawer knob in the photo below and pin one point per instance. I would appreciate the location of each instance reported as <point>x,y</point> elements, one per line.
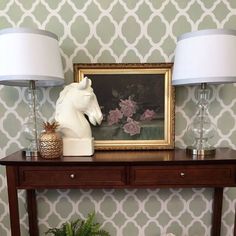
<point>182,174</point>
<point>72,176</point>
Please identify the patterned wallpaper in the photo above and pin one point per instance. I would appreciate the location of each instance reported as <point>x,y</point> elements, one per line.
<point>121,31</point>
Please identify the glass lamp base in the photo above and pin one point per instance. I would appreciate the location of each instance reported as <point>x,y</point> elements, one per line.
<point>30,153</point>
<point>200,152</point>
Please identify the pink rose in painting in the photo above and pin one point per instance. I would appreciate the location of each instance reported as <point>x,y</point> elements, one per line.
<point>114,116</point>
<point>131,127</point>
<point>127,107</point>
<point>148,115</point>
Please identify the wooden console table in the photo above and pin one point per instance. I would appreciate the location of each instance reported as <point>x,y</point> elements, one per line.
<point>118,169</point>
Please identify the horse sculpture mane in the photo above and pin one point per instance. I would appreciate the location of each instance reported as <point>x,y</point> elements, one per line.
<point>75,100</point>
<point>63,93</point>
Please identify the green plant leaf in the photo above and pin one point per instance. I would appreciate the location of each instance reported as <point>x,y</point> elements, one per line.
<point>87,227</point>
<point>69,231</point>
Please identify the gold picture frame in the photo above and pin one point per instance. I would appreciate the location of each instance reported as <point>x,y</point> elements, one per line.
<point>137,101</point>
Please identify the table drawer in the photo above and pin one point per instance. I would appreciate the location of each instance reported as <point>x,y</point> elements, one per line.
<point>183,176</point>
<point>62,177</point>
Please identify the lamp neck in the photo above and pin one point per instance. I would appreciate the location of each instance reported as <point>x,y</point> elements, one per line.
<point>203,86</point>
<point>32,85</point>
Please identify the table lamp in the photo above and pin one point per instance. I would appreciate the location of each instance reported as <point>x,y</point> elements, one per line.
<point>30,57</point>
<point>204,57</point>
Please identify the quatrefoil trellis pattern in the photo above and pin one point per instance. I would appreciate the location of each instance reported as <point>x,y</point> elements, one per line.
<point>121,31</point>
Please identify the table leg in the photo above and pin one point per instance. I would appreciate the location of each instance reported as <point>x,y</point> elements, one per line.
<point>217,211</point>
<point>235,222</point>
<point>32,212</point>
<point>13,200</point>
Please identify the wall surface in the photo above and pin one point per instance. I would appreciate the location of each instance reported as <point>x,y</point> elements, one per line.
<point>121,31</point>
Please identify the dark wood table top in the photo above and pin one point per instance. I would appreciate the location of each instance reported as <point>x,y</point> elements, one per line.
<point>160,157</point>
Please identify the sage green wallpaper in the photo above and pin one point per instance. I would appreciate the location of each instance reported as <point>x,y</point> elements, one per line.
<point>121,31</point>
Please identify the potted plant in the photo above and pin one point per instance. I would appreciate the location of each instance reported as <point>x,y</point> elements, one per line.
<point>87,227</point>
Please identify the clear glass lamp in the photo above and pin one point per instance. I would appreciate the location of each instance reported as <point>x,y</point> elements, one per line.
<point>30,58</point>
<point>204,57</point>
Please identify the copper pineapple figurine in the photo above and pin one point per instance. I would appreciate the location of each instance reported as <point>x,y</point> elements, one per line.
<point>50,142</point>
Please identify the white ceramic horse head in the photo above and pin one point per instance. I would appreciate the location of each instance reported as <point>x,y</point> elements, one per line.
<point>75,100</point>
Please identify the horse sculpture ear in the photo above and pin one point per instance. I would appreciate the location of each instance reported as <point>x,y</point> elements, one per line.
<point>90,82</point>
<point>83,83</point>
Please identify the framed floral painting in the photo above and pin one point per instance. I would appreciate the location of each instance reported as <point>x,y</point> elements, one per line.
<point>137,102</point>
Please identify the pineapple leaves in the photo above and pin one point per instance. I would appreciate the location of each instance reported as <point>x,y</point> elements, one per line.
<point>50,126</point>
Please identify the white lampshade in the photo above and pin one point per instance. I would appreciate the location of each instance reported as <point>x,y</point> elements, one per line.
<point>205,56</point>
<point>30,54</point>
